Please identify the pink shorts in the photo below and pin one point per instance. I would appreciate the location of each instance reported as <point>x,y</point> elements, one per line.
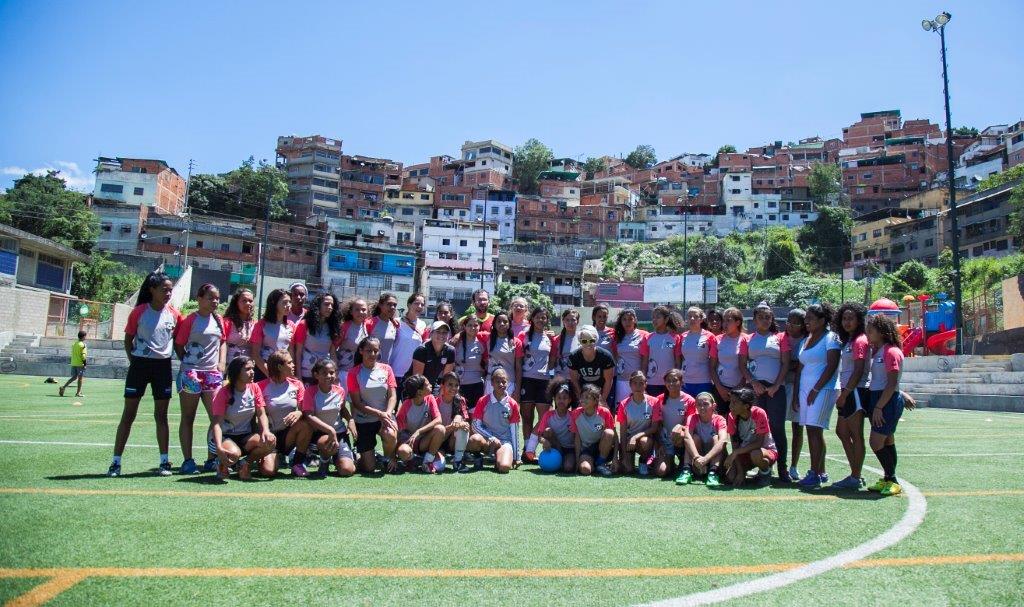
<point>191,381</point>
<point>770,454</point>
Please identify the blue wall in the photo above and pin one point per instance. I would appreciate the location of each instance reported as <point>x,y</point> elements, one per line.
<point>356,261</point>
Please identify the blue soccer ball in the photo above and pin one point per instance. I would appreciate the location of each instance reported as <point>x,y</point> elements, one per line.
<point>550,460</point>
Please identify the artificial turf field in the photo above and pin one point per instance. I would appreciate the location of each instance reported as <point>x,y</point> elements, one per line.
<point>71,536</point>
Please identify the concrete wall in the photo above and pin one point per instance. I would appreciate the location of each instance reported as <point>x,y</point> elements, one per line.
<point>1013,302</point>
<point>119,320</point>
<point>23,311</point>
<point>1010,341</point>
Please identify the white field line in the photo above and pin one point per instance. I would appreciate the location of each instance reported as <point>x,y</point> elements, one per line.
<point>74,444</point>
<point>917,507</point>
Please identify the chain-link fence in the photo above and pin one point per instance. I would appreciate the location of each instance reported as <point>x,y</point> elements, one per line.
<point>67,317</point>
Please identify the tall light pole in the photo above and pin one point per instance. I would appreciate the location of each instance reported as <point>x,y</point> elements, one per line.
<point>483,244</point>
<point>939,25</point>
<point>187,217</point>
<point>686,234</point>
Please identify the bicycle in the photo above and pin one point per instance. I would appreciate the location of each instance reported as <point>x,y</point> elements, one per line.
<point>7,365</point>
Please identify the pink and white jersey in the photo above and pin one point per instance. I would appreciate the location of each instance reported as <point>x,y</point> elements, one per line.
<point>661,350</point>
<point>456,406</point>
<point>590,427</point>
<point>411,417</point>
<point>854,350</point>
<point>627,354</point>
<point>470,361</point>
<point>372,386</point>
<point>536,352</point>
<point>497,416</point>
<point>559,424</point>
<point>518,328</point>
<point>152,330</point>
<point>706,431</point>
<point>698,349</point>
<point>238,339</point>
<point>745,431</point>
<point>729,349</point>
<point>794,356</point>
<point>635,417</point>
<point>675,411</point>
<point>410,336</point>
<point>387,332</point>
<point>295,318</point>
<point>280,399</point>
<point>271,337</point>
<point>325,406</point>
<point>886,360</point>
<point>314,346</point>
<point>503,355</point>
<point>605,337</point>
<point>201,336</point>
<point>764,355</point>
<point>563,350</point>
<point>351,334</point>
<point>238,409</point>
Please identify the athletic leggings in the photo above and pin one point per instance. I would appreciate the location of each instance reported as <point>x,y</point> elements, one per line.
<point>775,407</point>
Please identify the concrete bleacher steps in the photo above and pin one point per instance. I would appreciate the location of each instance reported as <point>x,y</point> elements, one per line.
<point>50,357</point>
<point>979,383</point>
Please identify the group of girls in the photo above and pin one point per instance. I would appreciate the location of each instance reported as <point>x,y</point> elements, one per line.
<point>335,378</point>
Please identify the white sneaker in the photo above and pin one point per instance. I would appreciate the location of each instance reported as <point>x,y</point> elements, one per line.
<point>794,473</point>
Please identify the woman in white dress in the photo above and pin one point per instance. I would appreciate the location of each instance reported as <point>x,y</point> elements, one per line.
<point>817,386</point>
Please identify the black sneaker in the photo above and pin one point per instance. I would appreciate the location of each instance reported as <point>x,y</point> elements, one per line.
<point>164,469</point>
<point>460,467</point>
<point>763,479</point>
<point>478,462</point>
<point>114,470</point>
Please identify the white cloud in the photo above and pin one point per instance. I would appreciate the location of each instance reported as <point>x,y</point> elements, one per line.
<point>70,172</point>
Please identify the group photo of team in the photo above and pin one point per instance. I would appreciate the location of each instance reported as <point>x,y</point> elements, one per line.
<point>366,387</point>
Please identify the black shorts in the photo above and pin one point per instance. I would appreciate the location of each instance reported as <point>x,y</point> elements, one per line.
<point>721,404</point>
<point>240,440</point>
<point>367,439</point>
<point>344,443</point>
<point>533,390</point>
<point>282,441</point>
<point>591,451</point>
<point>143,372</point>
<point>472,393</point>
<point>860,396</point>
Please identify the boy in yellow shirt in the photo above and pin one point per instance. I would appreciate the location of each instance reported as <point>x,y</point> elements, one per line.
<point>78,354</point>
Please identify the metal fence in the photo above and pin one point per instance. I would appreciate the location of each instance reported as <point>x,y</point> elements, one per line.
<point>66,317</point>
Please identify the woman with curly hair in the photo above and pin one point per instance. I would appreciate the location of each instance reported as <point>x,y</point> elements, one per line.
<point>853,389</point>
<point>885,406</point>
<point>316,335</point>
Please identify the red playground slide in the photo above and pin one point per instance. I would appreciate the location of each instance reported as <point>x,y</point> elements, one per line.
<point>939,343</point>
<point>912,339</point>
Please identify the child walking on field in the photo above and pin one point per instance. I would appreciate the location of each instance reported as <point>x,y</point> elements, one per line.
<point>78,354</point>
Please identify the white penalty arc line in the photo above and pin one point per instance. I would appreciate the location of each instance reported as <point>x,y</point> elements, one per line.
<point>917,507</point>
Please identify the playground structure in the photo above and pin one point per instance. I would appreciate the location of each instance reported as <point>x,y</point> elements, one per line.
<point>926,319</point>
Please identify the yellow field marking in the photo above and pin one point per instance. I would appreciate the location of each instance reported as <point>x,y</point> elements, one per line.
<point>528,499</point>
<point>64,578</point>
<point>48,590</point>
<point>519,499</point>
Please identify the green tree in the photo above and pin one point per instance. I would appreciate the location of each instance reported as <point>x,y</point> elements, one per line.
<point>711,256</point>
<point>643,157</point>
<point>825,184</point>
<point>252,183</point>
<point>998,179</point>
<point>531,291</point>
<point>827,238</point>
<point>593,166</point>
<point>727,149</point>
<point>209,193</point>
<point>103,279</point>
<point>1016,229</point>
<point>965,131</point>
<point>782,256</point>
<point>911,278</point>
<point>530,159</point>
<point>42,205</point>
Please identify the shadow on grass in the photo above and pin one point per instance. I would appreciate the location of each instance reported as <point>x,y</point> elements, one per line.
<point>85,477</point>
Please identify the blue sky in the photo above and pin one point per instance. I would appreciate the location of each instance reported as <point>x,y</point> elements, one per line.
<point>219,81</point>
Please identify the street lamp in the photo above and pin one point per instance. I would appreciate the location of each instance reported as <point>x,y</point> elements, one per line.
<point>686,233</point>
<point>939,25</point>
<point>483,244</point>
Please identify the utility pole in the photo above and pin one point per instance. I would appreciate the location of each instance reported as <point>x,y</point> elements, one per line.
<point>187,216</point>
<point>483,245</point>
<point>264,246</point>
